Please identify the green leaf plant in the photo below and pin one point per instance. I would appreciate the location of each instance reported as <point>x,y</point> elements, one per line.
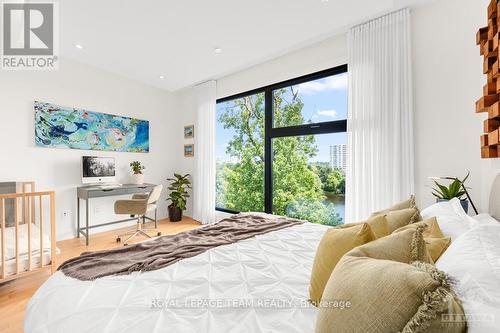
<point>137,167</point>
<point>179,186</point>
<point>454,190</point>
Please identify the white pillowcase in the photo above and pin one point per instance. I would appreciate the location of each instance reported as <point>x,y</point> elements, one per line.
<point>451,217</point>
<point>473,262</point>
<point>485,219</point>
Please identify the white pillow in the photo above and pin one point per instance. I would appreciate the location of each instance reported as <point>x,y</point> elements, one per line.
<point>457,207</point>
<point>451,218</point>
<point>485,219</point>
<point>473,262</point>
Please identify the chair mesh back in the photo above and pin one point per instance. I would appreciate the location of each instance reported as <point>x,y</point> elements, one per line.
<point>155,194</point>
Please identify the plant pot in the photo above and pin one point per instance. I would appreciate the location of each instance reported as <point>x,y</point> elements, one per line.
<point>174,213</point>
<point>138,178</point>
<point>463,202</point>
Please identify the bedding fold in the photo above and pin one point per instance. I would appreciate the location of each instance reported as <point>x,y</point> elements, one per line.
<point>166,250</point>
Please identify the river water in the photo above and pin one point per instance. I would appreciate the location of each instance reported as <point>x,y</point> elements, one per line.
<point>339,201</point>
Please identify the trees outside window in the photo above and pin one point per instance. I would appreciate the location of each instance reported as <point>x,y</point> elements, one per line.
<point>302,124</point>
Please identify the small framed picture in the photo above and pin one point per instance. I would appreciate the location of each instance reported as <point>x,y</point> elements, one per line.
<point>189,150</point>
<point>189,132</point>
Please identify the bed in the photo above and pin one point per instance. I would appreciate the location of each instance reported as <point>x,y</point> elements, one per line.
<point>254,285</point>
<point>271,269</point>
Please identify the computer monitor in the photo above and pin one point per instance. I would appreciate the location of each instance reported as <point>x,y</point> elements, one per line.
<point>98,169</point>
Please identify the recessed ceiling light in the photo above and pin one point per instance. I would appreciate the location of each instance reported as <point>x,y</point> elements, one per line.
<point>217,50</point>
<point>79,46</point>
<point>324,0</point>
<point>162,77</point>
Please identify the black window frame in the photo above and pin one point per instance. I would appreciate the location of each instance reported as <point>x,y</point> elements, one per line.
<point>270,132</point>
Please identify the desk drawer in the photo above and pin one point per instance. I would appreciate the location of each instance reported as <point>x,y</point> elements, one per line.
<point>97,193</point>
<point>141,189</point>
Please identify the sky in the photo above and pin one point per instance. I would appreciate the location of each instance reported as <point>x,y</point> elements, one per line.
<point>324,100</point>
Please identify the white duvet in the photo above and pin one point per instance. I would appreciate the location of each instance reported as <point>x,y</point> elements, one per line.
<point>473,262</point>
<point>255,285</point>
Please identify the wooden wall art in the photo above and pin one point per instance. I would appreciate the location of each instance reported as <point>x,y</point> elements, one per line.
<point>487,39</point>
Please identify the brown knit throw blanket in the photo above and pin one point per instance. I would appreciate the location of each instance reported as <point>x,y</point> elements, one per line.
<point>166,250</point>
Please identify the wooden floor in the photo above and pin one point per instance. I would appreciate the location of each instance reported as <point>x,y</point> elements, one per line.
<point>14,295</point>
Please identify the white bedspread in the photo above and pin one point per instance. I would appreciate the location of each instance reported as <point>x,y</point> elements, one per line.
<point>255,285</point>
<point>473,261</point>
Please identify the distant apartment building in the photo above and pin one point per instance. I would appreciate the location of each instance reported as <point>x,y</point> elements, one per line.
<point>338,156</point>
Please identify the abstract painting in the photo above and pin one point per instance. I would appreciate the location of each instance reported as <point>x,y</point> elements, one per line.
<point>63,127</point>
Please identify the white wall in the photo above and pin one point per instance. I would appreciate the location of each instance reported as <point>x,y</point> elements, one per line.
<point>81,86</point>
<point>448,80</point>
<point>327,54</point>
<point>186,116</point>
<point>447,75</point>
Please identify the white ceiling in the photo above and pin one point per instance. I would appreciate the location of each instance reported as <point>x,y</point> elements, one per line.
<point>176,38</point>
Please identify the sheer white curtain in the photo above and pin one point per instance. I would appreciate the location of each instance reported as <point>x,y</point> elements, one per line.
<point>204,176</point>
<point>380,167</point>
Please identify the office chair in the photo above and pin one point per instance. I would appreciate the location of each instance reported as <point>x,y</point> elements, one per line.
<point>139,206</point>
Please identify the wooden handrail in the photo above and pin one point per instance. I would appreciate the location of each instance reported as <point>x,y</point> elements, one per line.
<point>16,224</point>
<point>23,195</point>
<point>53,232</point>
<point>41,229</point>
<point>2,216</point>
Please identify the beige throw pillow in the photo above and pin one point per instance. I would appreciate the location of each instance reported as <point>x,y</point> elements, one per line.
<point>434,238</point>
<point>400,218</point>
<point>381,292</point>
<point>378,224</point>
<point>432,228</point>
<point>437,246</point>
<point>410,203</point>
<point>334,244</point>
<point>405,246</point>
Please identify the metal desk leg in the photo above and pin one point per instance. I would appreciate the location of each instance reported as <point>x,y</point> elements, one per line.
<point>87,221</point>
<point>78,216</point>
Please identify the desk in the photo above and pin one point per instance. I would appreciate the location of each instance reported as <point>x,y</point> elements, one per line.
<point>88,192</point>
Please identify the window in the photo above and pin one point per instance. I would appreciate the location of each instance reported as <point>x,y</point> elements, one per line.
<point>315,101</point>
<point>306,182</point>
<point>240,154</point>
<point>282,149</point>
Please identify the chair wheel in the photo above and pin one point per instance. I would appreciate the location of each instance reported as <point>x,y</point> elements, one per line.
<point>159,233</point>
<point>118,239</point>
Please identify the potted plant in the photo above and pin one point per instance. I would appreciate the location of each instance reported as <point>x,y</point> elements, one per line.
<point>178,187</point>
<point>138,176</point>
<point>456,189</point>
